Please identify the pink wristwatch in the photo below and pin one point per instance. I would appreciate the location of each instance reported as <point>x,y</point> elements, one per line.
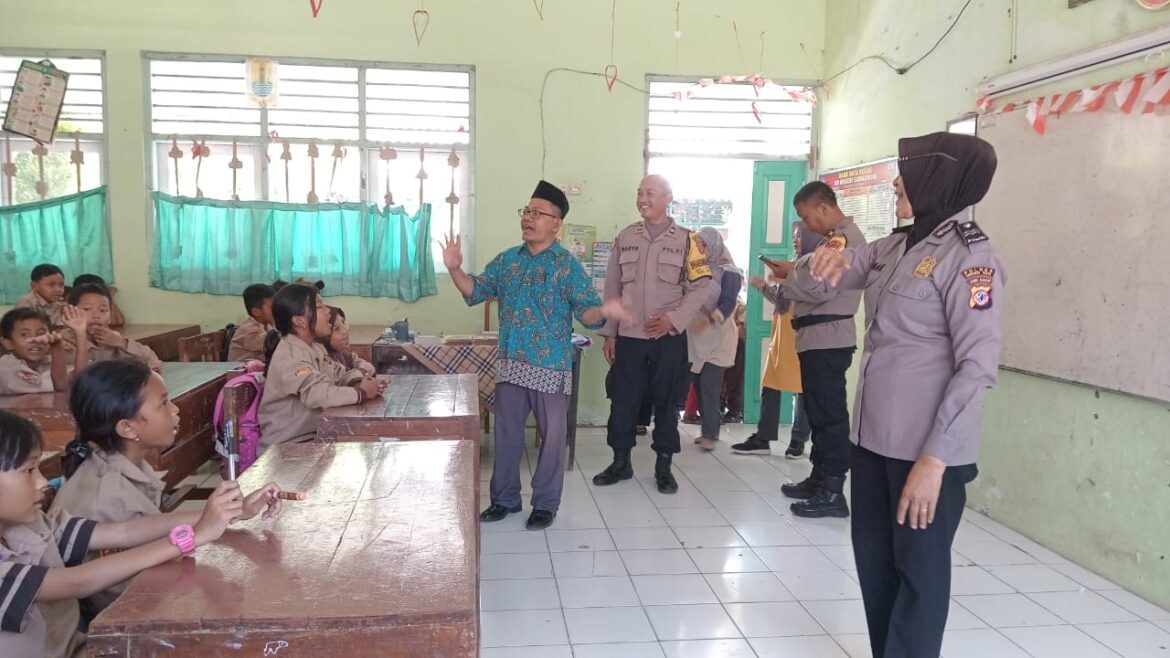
<point>183,537</point>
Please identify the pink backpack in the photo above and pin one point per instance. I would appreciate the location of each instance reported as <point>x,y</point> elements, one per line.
<point>247,435</point>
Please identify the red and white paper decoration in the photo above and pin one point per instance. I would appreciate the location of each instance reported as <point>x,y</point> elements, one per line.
<point>1143,93</point>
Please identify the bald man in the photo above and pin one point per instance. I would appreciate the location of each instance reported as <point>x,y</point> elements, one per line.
<point>661,276</point>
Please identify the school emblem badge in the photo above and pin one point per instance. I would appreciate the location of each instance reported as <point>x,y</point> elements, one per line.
<point>925,267</point>
<point>980,278</point>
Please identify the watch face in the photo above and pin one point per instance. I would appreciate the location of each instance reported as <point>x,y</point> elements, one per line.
<point>182,532</point>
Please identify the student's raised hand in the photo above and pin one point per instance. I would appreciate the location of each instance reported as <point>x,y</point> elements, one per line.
<point>263,499</point>
<point>828,265</point>
<point>452,252</point>
<point>75,319</point>
<point>223,506</point>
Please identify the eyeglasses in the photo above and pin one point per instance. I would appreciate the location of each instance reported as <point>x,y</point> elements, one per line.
<point>948,156</point>
<point>533,213</point>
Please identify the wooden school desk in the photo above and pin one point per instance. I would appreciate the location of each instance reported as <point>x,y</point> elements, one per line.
<point>162,338</point>
<point>413,407</point>
<point>192,386</point>
<point>362,338</point>
<point>381,560</point>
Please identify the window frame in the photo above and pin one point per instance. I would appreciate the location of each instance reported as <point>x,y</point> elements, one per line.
<point>363,145</point>
<point>814,129</point>
<point>102,139</point>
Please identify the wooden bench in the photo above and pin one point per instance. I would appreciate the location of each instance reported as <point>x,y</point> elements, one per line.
<point>380,560</point>
<point>202,348</point>
<point>192,386</point>
<point>162,338</point>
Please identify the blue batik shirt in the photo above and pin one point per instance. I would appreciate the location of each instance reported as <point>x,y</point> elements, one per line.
<point>539,296</point>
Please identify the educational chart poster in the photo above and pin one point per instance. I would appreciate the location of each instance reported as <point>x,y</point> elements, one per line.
<point>601,252</point>
<point>37,97</point>
<point>866,193</point>
<point>579,241</point>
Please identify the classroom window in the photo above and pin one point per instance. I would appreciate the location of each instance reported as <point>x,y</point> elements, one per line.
<point>705,140</point>
<point>354,113</point>
<point>81,127</point>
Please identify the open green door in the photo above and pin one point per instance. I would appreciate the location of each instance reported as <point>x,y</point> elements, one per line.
<point>774,186</point>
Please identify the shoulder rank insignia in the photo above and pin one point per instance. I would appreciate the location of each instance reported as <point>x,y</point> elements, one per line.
<point>942,230</point>
<point>980,278</point>
<point>697,266</point>
<point>302,372</point>
<point>970,233</point>
<point>837,243</point>
<point>925,267</point>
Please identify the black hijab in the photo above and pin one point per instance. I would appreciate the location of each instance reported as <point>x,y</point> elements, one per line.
<point>943,173</point>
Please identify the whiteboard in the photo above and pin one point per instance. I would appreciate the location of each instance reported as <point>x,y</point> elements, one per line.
<point>1079,217</point>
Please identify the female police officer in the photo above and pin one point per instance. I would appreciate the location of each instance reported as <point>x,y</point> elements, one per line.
<point>933,297</point>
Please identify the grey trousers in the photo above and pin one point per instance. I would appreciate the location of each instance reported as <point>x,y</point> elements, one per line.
<point>708,385</point>
<point>513,404</point>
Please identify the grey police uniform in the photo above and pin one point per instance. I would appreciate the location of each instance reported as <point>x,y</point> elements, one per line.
<point>932,347</point>
<point>826,338</point>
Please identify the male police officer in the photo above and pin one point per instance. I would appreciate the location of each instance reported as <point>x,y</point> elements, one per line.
<point>659,272</point>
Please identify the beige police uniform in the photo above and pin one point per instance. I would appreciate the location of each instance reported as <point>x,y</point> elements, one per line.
<point>51,309</point>
<point>301,381</point>
<point>28,628</point>
<point>17,377</point>
<point>109,488</point>
<point>826,333</point>
<point>664,275</point>
<point>248,341</point>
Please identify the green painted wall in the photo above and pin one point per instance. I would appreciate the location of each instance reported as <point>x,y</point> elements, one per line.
<point>595,137</point>
<point>1082,472</point>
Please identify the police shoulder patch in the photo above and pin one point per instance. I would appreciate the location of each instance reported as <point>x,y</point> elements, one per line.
<point>837,243</point>
<point>303,372</point>
<point>970,233</point>
<point>979,279</point>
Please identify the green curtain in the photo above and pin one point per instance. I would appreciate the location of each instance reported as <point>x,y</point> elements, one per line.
<point>221,247</point>
<point>72,232</point>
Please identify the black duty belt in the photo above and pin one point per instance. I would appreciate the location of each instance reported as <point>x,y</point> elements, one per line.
<point>810,320</point>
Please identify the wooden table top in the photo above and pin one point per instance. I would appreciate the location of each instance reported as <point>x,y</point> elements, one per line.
<point>418,396</point>
<point>141,332</point>
<point>181,378</point>
<point>385,545</point>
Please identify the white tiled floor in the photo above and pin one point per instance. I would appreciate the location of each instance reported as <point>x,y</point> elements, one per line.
<point>722,569</point>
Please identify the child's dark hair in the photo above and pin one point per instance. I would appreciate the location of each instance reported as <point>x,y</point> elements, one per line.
<point>101,396</point>
<point>19,437</point>
<point>8,322</point>
<point>77,292</point>
<point>82,279</point>
<point>290,301</point>
<point>344,359</point>
<point>256,294</point>
<point>45,269</point>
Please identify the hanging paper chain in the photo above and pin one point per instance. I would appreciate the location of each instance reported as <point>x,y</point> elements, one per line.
<point>452,198</point>
<point>235,165</point>
<point>422,175</point>
<point>338,155</point>
<point>40,151</point>
<point>421,20</point>
<point>313,153</point>
<point>198,152</point>
<point>286,155</point>
<point>387,153</point>
<point>175,153</point>
<point>77,157</point>
<point>8,168</point>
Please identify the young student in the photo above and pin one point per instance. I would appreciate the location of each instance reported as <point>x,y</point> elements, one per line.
<point>42,568</point>
<point>37,360</point>
<point>120,406</point>
<point>104,343</point>
<point>46,292</point>
<point>337,345</point>
<point>116,317</point>
<point>248,341</point>
<point>301,378</point>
